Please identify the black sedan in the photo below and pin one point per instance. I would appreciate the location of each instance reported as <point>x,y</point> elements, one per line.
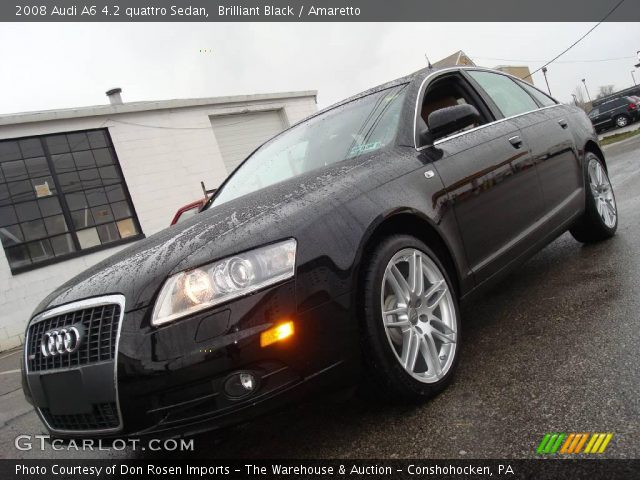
<point>337,252</point>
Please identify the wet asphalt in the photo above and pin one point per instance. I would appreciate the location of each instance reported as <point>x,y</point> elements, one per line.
<point>555,347</point>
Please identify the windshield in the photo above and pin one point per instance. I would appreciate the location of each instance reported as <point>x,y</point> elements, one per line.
<point>363,125</point>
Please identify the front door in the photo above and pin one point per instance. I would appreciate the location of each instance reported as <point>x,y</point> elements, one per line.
<point>490,179</point>
<point>495,193</point>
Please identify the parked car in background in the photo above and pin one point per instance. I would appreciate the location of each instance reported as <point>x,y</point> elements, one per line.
<point>618,112</point>
<point>337,252</point>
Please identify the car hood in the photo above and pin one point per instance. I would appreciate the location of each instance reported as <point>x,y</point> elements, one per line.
<point>267,215</point>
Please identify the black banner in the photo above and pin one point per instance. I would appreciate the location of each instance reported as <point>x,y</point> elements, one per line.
<point>318,10</point>
<point>320,469</point>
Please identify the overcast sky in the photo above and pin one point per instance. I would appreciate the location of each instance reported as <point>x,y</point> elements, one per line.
<point>47,66</point>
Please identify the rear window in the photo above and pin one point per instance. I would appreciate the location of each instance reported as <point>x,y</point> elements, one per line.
<point>542,98</point>
<point>610,105</point>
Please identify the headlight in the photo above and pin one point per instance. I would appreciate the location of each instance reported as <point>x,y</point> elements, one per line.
<point>193,290</point>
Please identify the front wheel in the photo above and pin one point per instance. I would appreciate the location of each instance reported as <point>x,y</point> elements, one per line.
<point>600,219</point>
<point>411,321</point>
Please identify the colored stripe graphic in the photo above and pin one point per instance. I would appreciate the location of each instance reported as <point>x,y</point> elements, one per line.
<point>556,446</point>
<point>572,443</point>
<point>571,439</point>
<point>592,441</point>
<point>543,443</point>
<point>581,443</point>
<point>606,441</point>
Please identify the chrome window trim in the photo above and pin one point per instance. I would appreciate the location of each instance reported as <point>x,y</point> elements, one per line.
<point>456,135</point>
<point>71,307</point>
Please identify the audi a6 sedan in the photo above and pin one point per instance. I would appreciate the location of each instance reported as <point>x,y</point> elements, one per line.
<point>338,252</point>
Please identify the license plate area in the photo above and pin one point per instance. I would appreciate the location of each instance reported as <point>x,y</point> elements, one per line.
<point>64,393</point>
<point>73,391</point>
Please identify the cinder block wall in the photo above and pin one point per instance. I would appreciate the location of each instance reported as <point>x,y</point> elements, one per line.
<point>162,167</point>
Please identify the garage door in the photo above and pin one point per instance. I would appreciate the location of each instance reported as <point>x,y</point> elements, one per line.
<point>239,135</point>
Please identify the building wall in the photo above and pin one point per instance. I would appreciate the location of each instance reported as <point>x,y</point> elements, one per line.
<point>521,72</point>
<point>162,167</point>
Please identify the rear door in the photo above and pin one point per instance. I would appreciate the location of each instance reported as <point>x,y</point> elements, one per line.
<point>606,114</point>
<point>597,118</point>
<point>548,131</point>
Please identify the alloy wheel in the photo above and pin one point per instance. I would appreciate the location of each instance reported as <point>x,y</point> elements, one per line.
<point>602,193</point>
<point>419,315</point>
<point>621,121</point>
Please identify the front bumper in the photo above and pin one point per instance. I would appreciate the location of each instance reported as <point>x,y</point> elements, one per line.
<point>170,380</point>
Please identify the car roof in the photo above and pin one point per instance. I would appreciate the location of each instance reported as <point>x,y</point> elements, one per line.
<point>383,86</point>
<point>615,100</point>
<point>418,74</point>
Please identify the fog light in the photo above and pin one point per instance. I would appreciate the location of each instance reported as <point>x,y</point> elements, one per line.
<point>275,334</point>
<point>241,384</point>
<point>247,381</point>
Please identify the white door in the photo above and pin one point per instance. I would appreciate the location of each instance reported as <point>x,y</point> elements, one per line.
<point>239,135</point>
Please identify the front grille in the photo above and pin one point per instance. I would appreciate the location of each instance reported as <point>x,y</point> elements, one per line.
<point>98,344</point>
<point>104,416</point>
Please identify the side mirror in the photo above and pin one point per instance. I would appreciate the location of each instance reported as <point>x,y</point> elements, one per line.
<point>448,120</point>
<point>424,135</point>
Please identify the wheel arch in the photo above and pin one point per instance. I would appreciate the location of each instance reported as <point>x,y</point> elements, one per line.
<point>594,148</point>
<point>410,222</point>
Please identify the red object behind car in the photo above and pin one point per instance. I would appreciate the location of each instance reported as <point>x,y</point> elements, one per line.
<point>188,211</point>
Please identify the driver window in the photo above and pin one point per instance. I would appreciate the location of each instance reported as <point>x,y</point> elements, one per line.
<point>448,92</point>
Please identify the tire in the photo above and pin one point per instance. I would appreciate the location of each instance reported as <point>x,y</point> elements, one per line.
<point>600,218</point>
<point>621,121</point>
<point>384,348</point>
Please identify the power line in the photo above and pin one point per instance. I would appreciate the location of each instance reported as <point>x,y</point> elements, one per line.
<point>577,41</point>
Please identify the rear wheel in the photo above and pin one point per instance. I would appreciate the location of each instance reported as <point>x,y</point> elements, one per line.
<point>622,121</point>
<point>411,320</point>
<point>600,219</point>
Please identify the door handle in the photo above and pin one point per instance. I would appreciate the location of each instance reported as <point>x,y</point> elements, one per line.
<point>516,141</point>
<point>563,123</point>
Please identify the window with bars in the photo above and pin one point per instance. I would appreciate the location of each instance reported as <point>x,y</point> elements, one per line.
<point>62,195</point>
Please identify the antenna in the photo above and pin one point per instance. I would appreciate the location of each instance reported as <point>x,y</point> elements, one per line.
<point>428,61</point>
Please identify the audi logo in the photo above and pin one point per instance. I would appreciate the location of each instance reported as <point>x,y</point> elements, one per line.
<point>59,342</point>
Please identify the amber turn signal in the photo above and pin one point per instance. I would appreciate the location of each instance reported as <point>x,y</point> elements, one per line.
<point>276,334</point>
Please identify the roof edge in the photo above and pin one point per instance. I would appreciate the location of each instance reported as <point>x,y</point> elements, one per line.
<point>143,106</point>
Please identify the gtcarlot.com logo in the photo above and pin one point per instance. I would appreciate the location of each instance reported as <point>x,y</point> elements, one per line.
<point>571,443</point>
<point>45,442</point>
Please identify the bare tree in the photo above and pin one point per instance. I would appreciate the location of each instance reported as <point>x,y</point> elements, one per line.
<point>580,101</point>
<point>604,91</point>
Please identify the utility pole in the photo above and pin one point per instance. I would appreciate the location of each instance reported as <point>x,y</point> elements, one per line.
<point>585,87</point>
<point>634,79</point>
<point>544,72</point>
